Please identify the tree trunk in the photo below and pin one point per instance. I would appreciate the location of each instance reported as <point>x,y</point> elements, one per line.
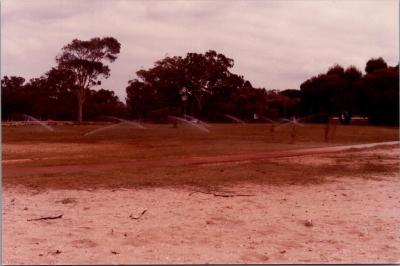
<point>80,98</point>
<point>80,107</point>
<point>198,99</point>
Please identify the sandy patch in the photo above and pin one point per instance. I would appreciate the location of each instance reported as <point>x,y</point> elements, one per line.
<point>353,220</point>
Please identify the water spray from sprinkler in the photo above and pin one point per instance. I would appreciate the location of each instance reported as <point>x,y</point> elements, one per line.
<point>37,121</point>
<point>235,119</point>
<point>122,122</point>
<point>103,129</point>
<point>195,120</point>
<point>294,122</point>
<point>133,123</point>
<point>190,123</point>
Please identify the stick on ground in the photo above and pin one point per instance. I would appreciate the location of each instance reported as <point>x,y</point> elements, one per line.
<point>137,217</point>
<point>222,195</point>
<point>232,195</point>
<point>47,218</point>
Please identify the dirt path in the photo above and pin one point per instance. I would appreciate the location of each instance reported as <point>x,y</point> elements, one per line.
<point>15,171</point>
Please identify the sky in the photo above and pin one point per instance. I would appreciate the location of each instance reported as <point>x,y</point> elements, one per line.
<point>275,44</point>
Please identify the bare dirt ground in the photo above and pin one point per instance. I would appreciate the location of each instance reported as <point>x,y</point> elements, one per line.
<point>350,217</point>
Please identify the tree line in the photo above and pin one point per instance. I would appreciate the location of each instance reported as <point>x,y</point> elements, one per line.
<point>199,85</point>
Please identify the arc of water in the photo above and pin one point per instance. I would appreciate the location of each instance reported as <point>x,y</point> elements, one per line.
<point>235,119</point>
<point>198,120</point>
<point>267,119</point>
<point>292,121</point>
<point>190,123</point>
<point>49,128</point>
<point>102,129</point>
<point>304,118</point>
<point>297,121</point>
<point>136,124</point>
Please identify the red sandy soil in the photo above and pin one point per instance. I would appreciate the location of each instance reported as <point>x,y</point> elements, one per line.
<point>350,220</point>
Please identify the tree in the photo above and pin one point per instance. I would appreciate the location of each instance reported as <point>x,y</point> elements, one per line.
<point>103,103</point>
<point>61,86</point>
<point>352,76</point>
<point>41,98</point>
<point>338,91</point>
<point>204,72</point>
<point>13,99</point>
<point>205,81</point>
<point>140,99</point>
<point>378,96</point>
<point>374,64</point>
<point>335,70</point>
<point>86,62</point>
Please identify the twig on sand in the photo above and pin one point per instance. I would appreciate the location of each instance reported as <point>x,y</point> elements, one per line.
<point>221,195</point>
<point>47,218</point>
<point>232,195</point>
<point>137,217</point>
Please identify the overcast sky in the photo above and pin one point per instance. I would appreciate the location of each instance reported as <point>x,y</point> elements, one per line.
<point>275,44</point>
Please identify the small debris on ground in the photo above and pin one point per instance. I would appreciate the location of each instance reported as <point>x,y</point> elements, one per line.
<point>308,223</point>
<point>224,195</point>
<point>139,216</point>
<point>55,252</point>
<point>67,201</point>
<point>47,218</point>
<point>283,251</point>
<point>114,252</point>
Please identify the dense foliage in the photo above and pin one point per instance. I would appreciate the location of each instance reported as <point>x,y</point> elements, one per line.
<point>374,95</point>
<point>202,85</point>
<point>53,96</point>
<point>199,85</point>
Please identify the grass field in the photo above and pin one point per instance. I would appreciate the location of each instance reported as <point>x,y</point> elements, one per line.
<point>33,146</point>
<point>160,141</point>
